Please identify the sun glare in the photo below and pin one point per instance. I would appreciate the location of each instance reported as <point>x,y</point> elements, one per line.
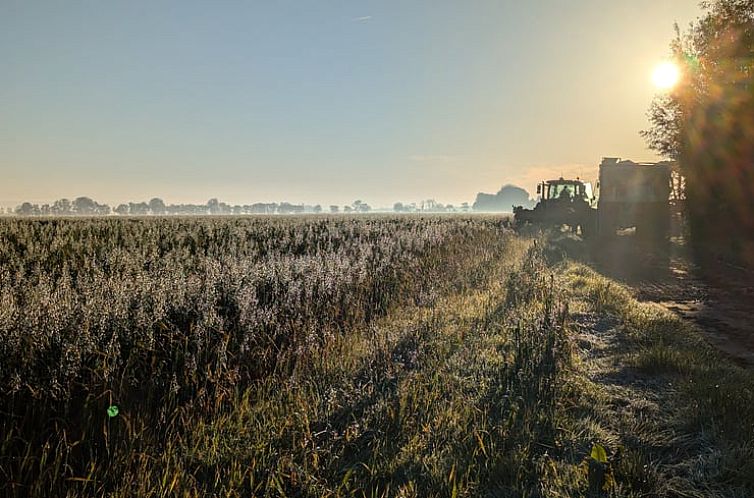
<point>666,75</point>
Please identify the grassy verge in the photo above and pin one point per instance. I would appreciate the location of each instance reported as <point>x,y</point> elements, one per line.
<point>676,417</point>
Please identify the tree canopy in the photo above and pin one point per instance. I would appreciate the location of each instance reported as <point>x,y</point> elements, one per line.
<point>707,123</point>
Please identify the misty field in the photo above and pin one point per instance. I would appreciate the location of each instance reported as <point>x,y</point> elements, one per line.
<point>346,356</point>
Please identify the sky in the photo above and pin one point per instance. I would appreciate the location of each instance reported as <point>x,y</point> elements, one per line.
<point>321,101</point>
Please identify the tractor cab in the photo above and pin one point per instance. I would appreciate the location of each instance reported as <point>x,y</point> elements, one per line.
<point>561,202</point>
<point>566,190</point>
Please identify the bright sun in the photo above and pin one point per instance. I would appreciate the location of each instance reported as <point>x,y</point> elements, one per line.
<point>666,75</point>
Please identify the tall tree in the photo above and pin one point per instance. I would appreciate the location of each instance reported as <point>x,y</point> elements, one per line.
<point>84,206</point>
<point>213,206</point>
<point>138,208</point>
<point>122,209</point>
<point>27,209</point>
<point>62,206</point>
<point>157,206</point>
<point>707,124</point>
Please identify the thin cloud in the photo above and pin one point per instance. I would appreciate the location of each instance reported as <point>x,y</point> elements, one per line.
<point>362,19</point>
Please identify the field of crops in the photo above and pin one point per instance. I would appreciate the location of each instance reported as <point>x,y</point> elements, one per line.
<point>370,356</point>
<point>188,307</point>
<point>176,321</point>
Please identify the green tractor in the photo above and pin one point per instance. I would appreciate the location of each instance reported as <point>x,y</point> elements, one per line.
<point>562,202</point>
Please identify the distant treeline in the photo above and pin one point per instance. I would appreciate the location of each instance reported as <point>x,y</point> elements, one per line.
<point>429,206</point>
<point>85,206</point>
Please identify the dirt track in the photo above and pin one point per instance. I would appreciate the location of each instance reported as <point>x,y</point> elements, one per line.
<point>721,302</point>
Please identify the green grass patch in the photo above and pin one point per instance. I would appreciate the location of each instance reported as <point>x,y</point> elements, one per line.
<point>679,413</point>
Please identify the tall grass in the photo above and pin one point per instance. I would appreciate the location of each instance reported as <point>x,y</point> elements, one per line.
<point>224,343</point>
<point>370,357</point>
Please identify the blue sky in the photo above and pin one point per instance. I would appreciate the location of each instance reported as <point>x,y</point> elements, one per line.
<point>317,101</point>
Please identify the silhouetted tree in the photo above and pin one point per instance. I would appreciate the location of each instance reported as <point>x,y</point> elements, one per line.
<point>84,206</point>
<point>213,206</point>
<point>138,208</point>
<point>707,123</point>
<point>263,208</point>
<point>225,208</point>
<point>61,207</point>
<point>361,207</point>
<point>157,206</point>
<point>27,209</point>
<point>503,201</point>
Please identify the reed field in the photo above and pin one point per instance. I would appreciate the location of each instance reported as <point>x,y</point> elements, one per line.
<point>368,356</point>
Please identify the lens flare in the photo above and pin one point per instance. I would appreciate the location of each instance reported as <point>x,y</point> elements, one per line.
<point>666,75</point>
